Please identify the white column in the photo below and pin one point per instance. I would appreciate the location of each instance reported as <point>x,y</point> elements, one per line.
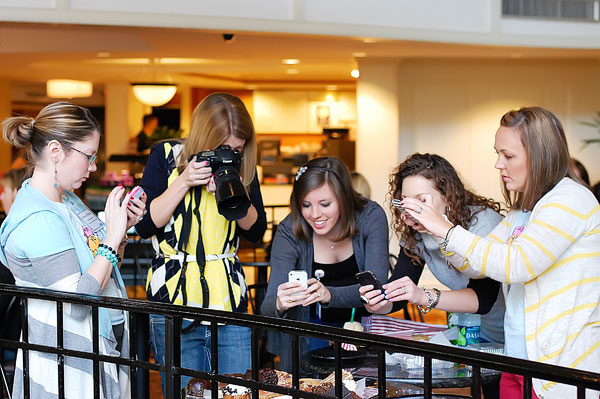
<point>116,123</point>
<point>378,133</point>
<point>5,112</point>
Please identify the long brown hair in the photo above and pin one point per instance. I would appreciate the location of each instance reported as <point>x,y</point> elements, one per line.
<point>548,156</point>
<point>217,117</point>
<point>446,181</point>
<point>314,174</point>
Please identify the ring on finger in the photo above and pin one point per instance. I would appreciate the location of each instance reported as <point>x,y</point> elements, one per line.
<point>402,290</point>
<point>364,299</point>
<point>420,210</point>
<point>138,217</point>
<point>318,295</point>
<point>145,212</point>
<point>289,301</point>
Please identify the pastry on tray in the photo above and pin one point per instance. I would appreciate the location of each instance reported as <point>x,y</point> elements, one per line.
<point>195,388</point>
<point>232,391</point>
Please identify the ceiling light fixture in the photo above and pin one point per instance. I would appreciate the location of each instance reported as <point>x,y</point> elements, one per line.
<point>154,94</point>
<point>291,61</point>
<point>292,71</point>
<point>67,88</point>
<point>355,73</point>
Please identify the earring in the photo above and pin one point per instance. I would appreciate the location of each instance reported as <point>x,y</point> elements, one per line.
<point>56,185</point>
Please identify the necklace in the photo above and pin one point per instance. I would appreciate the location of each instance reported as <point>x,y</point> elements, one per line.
<point>331,246</point>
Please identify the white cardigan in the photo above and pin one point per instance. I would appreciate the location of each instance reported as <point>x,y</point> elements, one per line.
<point>557,257</point>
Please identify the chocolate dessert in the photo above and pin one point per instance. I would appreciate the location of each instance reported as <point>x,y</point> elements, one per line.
<point>195,388</point>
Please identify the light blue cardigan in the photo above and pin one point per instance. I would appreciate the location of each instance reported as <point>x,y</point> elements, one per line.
<point>30,201</point>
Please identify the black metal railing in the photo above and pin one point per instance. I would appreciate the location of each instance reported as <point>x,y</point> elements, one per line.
<point>173,371</point>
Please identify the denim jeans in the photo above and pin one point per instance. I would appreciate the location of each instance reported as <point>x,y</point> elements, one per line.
<point>234,348</point>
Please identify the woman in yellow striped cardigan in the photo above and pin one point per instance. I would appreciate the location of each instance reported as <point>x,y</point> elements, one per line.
<point>547,250</point>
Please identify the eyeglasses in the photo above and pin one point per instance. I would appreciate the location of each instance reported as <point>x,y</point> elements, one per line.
<point>91,158</point>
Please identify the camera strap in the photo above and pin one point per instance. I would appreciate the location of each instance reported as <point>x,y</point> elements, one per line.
<point>200,255</point>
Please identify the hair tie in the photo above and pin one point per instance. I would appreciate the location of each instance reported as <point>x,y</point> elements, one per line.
<point>32,123</point>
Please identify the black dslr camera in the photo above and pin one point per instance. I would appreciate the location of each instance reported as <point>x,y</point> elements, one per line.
<point>231,196</point>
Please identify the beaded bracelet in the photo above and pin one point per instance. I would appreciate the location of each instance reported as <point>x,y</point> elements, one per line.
<point>102,251</point>
<point>431,300</point>
<point>112,251</point>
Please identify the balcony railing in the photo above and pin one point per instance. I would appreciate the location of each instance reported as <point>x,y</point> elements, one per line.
<point>173,371</point>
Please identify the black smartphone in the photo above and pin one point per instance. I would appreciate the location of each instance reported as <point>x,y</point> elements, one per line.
<point>368,278</point>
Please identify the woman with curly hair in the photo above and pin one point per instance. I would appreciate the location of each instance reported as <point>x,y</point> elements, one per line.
<point>432,180</point>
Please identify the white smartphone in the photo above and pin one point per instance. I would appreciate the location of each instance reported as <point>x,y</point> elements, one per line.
<point>299,275</point>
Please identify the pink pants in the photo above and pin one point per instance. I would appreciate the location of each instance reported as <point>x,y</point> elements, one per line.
<point>511,387</point>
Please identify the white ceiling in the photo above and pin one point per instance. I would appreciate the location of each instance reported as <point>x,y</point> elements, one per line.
<point>32,53</point>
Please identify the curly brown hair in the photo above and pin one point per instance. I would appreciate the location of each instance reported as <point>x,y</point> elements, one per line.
<point>446,181</point>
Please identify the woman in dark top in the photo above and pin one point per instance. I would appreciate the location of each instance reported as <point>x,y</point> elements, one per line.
<point>196,239</point>
<point>333,229</point>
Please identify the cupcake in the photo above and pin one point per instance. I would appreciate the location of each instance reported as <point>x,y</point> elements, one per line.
<point>195,388</point>
<point>236,392</point>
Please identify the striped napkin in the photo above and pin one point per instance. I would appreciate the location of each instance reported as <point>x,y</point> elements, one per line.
<point>400,328</point>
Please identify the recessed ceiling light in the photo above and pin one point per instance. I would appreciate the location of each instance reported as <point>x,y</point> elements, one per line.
<point>103,54</point>
<point>292,71</point>
<point>331,87</point>
<point>251,87</point>
<point>355,73</point>
<point>368,40</point>
<point>359,54</point>
<point>291,61</point>
<point>516,55</point>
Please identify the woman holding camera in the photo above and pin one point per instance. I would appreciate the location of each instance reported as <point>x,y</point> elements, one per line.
<point>196,237</point>
<point>333,229</point>
<point>546,248</point>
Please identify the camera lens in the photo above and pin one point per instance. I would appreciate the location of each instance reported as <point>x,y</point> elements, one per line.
<point>232,200</point>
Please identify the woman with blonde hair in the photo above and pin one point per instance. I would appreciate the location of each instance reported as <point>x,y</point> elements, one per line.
<point>546,249</point>
<point>50,239</point>
<point>195,231</point>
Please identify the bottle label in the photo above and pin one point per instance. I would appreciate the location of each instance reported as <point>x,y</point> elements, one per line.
<point>452,322</point>
<point>468,335</point>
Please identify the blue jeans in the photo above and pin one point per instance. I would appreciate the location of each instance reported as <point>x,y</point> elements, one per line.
<point>234,348</point>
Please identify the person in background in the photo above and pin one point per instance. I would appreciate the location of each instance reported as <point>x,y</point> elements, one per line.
<point>50,239</point>
<point>330,228</point>
<point>360,184</point>
<point>196,261</point>
<point>431,179</point>
<point>546,248</point>
<point>150,123</point>
<point>10,182</point>
<point>580,171</point>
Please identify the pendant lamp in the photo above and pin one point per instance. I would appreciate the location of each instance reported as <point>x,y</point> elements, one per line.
<point>154,94</point>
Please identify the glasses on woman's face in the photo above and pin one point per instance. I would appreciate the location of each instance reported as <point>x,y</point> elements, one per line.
<point>91,158</point>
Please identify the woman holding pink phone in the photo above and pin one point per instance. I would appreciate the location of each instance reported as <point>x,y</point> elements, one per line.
<point>331,234</point>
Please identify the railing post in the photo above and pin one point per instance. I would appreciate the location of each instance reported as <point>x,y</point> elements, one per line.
<point>476,382</point>
<point>60,347</point>
<point>381,377</point>
<point>96,350</point>
<point>527,387</point>
<point>427,374</point>
<point>337,347</point>
<point>25,335</point>
<point>214,357</point>
<point>169,356</point>
<point>254,352</point>
<point>295,363</point>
